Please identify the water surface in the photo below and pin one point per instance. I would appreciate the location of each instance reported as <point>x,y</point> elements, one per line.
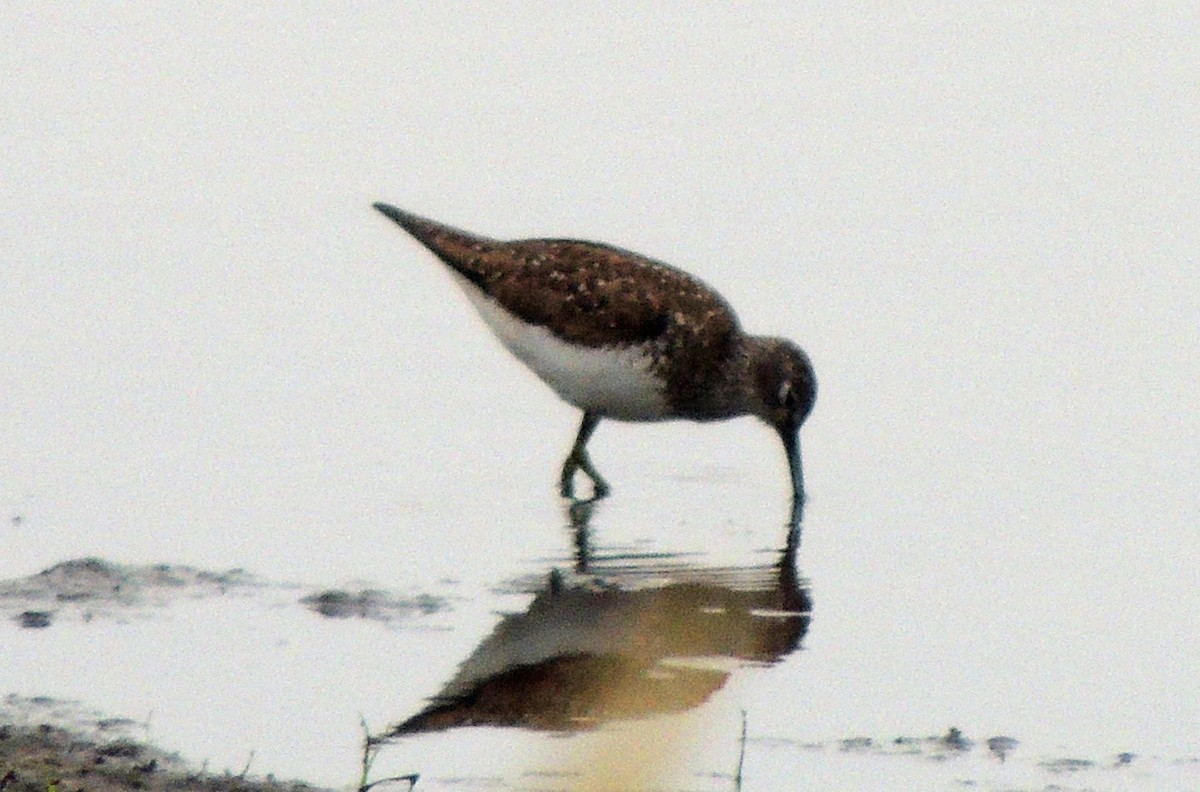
<point>215,355</point>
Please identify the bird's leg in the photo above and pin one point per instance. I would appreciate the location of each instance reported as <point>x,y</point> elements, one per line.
<point>578,460</point>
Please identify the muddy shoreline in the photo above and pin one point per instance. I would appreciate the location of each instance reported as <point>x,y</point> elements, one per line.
<point>47,744</point>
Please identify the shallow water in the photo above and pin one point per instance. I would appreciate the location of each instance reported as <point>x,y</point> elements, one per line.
<point>215,355</point>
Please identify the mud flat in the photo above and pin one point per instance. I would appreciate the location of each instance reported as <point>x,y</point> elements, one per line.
<point>51,745</point>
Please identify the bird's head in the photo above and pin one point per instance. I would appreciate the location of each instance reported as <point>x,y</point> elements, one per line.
<point>785,389</point>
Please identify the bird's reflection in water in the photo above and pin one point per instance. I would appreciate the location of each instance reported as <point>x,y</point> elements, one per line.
<point>622,636</point>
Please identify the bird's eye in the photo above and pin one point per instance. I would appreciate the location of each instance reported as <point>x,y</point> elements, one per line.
<point>787,397</point>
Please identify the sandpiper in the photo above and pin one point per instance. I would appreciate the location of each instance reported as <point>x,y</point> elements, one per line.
<point>622,336</point>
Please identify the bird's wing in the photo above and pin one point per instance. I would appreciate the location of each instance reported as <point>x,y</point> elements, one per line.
<point>591,294</point>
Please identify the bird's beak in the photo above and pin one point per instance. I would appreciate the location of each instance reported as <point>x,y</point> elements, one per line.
<point>791,444</point>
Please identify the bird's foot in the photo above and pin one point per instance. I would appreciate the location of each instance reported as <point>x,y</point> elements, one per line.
<point>566,484</point>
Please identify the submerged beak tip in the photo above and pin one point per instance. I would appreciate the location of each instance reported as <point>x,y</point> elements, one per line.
<point>791,444</point>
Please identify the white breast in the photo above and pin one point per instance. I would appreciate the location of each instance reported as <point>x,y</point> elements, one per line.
<point>616,380</point>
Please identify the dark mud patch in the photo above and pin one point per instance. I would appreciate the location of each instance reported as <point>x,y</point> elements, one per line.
<point>89,588</point>
<point>978,762</point>
<point>84,589</point>
<point>935,748</point>
<point>371,604</point>
<point>51,745</point>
